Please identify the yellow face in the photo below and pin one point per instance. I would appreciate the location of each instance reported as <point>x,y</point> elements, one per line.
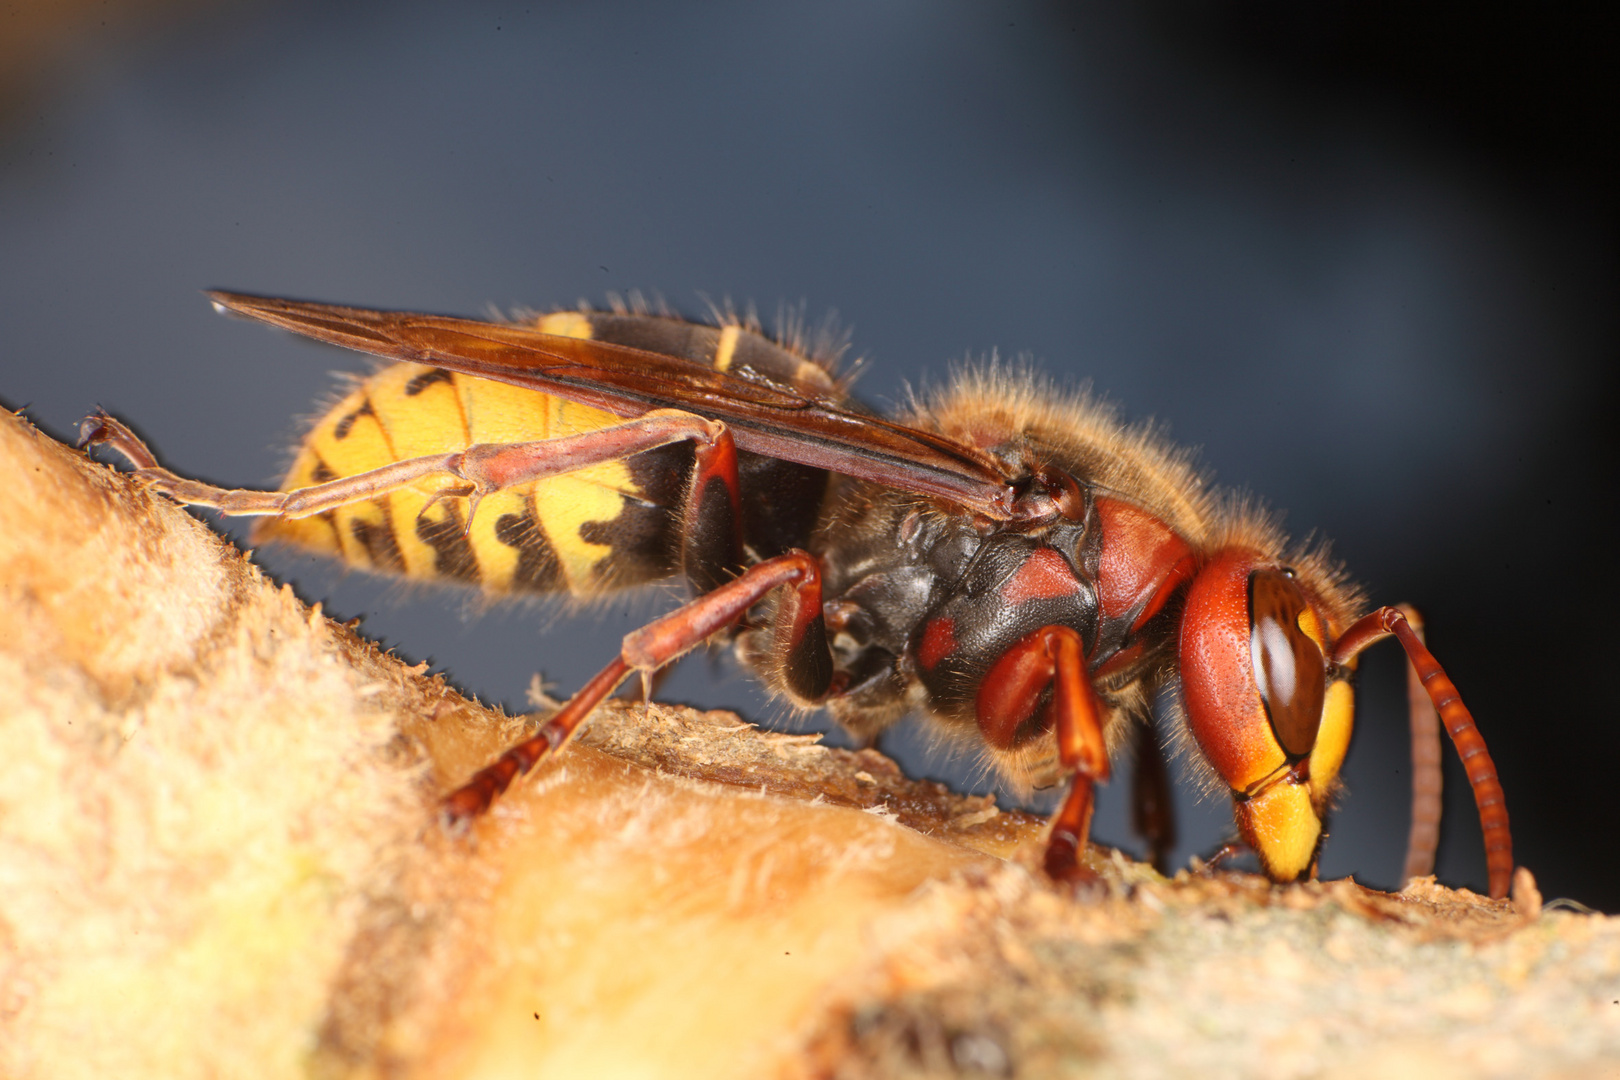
<point>1283,823</point>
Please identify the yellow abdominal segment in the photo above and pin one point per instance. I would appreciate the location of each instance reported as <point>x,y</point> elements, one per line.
<point>532,531</point>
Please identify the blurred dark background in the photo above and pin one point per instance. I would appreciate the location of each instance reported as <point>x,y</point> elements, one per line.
<point>1362,254</point>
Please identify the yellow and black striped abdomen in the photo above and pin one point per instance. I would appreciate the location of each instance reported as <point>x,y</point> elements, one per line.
<point>604,527</point>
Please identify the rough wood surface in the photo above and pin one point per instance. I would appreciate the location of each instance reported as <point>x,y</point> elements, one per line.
<point>219,857</point>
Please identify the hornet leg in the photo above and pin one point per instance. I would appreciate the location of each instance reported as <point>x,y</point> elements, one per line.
<point>1052,657</point>
<point>474,472</point>
<point>1153,814</point>
<point>800,644</point>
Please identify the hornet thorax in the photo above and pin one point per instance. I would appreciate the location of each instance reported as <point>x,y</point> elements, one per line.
<point>921,604</point>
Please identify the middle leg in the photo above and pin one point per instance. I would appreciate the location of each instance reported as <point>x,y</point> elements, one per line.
<point>1153,815</point>
<point>1054,657</point>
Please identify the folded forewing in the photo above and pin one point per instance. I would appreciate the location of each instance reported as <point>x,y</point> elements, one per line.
<point>765,417</point>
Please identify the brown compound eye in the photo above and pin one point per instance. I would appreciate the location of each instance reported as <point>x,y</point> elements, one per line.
<point>1288,664</point>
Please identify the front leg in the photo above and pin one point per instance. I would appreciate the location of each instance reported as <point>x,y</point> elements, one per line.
<point>1052,656</point>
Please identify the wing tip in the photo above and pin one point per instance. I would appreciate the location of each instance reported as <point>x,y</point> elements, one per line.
<point>234,303</point>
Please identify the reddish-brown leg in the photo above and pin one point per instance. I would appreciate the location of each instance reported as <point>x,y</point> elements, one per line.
<point>475,796</point>
<point>1229,850</point>
<point>1071,826</point>
<point>712,532</point>
<point>1052,656</point>
<point>1152,812</point>
<point>475,471</point>
<point>800,637</point>
<point>1459,724</point>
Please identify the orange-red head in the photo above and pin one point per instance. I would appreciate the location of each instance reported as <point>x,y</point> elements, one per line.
<point>1266,707</point>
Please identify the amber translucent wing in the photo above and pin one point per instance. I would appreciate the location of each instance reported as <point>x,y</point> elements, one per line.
<point>764,417</point>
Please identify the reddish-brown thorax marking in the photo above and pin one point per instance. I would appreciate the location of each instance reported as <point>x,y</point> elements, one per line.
<point>1045,574</point>
<point>939,641</point>
<point>1142,560</point>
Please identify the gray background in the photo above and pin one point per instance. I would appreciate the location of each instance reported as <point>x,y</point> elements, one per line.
<point>1363,260</point>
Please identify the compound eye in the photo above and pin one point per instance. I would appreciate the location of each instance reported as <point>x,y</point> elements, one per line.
<point>1288,665</point>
